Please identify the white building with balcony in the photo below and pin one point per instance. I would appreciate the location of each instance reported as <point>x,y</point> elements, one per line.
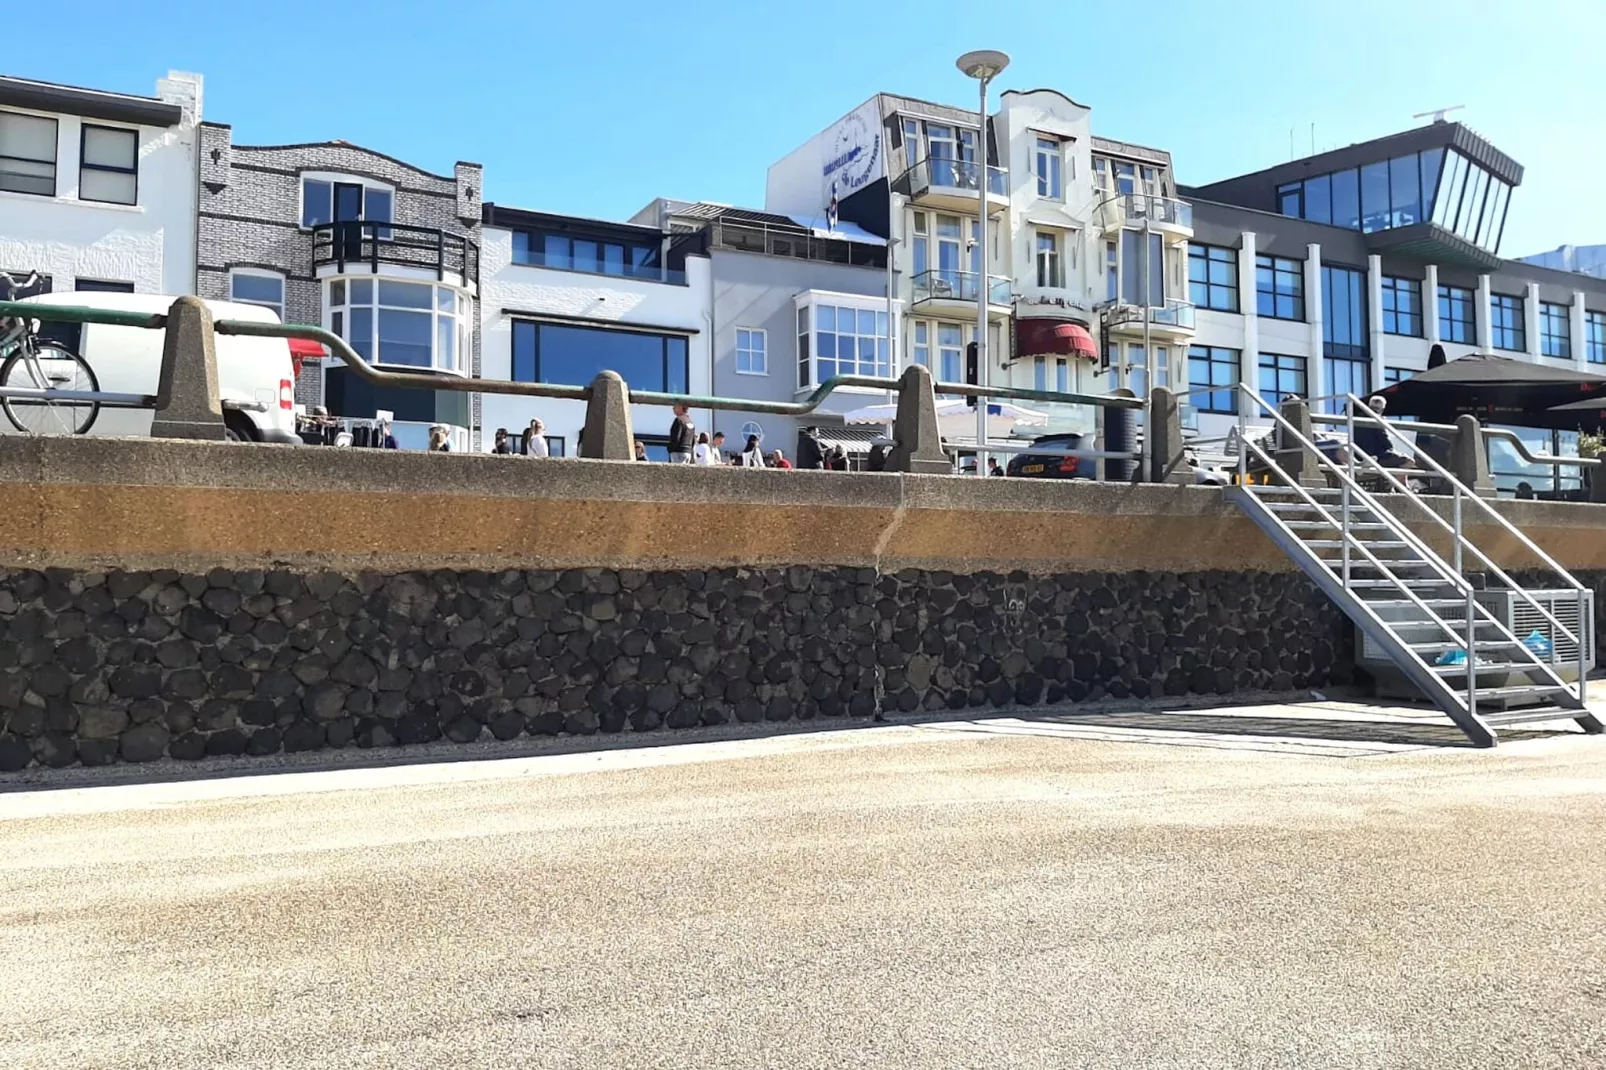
<point>97,189</point>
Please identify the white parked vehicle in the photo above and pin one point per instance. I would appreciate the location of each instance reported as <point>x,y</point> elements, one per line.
<point>256,377</point>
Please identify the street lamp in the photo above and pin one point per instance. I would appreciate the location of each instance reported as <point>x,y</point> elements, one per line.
<point>983,65</point>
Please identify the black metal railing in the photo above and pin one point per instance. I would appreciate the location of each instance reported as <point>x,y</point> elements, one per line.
<point>358,245</point>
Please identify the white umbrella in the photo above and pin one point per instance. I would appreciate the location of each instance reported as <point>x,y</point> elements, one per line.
<point>957,420</point>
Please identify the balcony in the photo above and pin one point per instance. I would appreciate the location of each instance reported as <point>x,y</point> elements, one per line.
<point>394,249</point>
<point>951,185</point>
<point>953,293</point>
<point>1170,322</point>
<point>1165,214</point>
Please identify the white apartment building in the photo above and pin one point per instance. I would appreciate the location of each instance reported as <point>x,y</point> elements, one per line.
<point>97,189</point>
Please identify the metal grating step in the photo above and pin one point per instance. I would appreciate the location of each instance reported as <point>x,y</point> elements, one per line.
<point>1485,667</point>
<point>1529,715</point>
<point>1335,525</point>
<point>1492,694</point>
<point>1442,647</point>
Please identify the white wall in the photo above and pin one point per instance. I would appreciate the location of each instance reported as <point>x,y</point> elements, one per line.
<point>506,285</point>
<point>851,153</point>
<point>151,244</point>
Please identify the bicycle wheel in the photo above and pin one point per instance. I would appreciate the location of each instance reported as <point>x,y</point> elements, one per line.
<point>50,366</point>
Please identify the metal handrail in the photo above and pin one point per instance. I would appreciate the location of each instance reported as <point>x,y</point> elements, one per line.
<point>330,242</point>
<point>1446,430</point>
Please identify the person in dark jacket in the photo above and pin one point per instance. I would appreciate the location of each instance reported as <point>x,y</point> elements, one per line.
<point>877,461</point>
<point>501,442</point>
<point>682,436</point>
<point>810,452</point>
<point>1377,442</point>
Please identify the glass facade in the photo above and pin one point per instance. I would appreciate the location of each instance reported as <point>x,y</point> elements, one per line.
<point>1343,312</point>
<point>593,256</point>
<point>845,341</point>
<point>1213,277</point>
<point>1555,330</point>
<point>1213,366</point>
<point>412,324</point>
<point>1280,287</point>
<point>1595,337</point>
<point>1402,306</point>
<point>1434,185</point>
<point>1457,322</point>
<point>1506,328</point>
<point>1136,266</point>
<point>1282,377</point>
<point>561,353</point>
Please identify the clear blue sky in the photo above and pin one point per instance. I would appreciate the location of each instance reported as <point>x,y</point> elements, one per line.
<point>594,108</point>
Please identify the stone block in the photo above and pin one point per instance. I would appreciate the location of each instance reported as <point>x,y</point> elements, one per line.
<point>187,404</point>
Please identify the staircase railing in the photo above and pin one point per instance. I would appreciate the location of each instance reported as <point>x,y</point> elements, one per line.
<point>1356,409</point>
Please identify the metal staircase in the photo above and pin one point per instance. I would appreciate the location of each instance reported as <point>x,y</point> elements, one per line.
<point>1434,616</point>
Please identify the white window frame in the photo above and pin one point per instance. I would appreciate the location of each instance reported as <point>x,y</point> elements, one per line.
<point>1047,151</point>
<point>748,334</point>
<point>752,427</point>
<point>459,315</point>
<point>1055,277</point>
<point>258,273</point>
<point>55,153</point>
<point>332,177</point>
<point>810,302</point>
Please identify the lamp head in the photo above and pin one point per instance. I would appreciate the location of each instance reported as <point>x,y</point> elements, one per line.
<point>985,64</point>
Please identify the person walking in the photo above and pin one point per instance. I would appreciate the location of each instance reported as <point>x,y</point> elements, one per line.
<point>751,455</point>
<point>501,442</point>
<point>717,449</point>
<point>778,460</point>
<point>682,436</point>
<point>535,440</point>
<point>703,453</point>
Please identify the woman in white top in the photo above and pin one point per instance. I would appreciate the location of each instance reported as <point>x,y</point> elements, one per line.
<point>703,453</point>
<point>535,440</point>
<point>752,456</point>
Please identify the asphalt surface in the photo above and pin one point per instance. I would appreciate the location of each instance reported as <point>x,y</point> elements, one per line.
<point>1031,894</point>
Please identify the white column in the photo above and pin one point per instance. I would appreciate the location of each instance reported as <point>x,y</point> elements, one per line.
<point>1374,319</point>
<point>1481,311</point>
<point>1530,320</point>
<point>1430,304</point>
<point>1578,327</point>
<point>1249,359</point>
<point>1314,380</point>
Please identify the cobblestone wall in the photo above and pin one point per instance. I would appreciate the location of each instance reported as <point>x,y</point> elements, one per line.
<point>134,666</point>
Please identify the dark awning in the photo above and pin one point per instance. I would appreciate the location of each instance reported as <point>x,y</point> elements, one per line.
<point>1497,390</point>
<point>1054,338</point>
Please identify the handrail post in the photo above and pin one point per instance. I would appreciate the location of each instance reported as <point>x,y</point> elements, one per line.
<point>1472,660</point>
<point>1583,636</point>
<point>1349,453</point>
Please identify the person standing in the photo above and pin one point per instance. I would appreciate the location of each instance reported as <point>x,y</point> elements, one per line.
<point>717,449</point>
<point>501,442</point>
<point>810,452</point>
<point>439,440</point>
<point>993,467</point>
<point>387,439</point>
<point>751,455</point>
<point>641,451</point>
<point>535,440</point>
<point>703,453</point>
<point>682,436</point>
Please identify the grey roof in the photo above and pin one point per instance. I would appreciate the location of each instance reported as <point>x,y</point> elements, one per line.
<point>90,103</point>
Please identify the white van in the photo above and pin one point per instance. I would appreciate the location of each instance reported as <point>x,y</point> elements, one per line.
<point>255,376</point>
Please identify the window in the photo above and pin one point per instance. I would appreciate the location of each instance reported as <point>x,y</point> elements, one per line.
<point>950,353</point>
<point>751,429</point>
<point>1112,272</point>
<point>1214,366</point>
<point>27,154</point>
<point>256,288</point>
<point>556,446</point>
<point>920,345</point>
<point>1281,377</point>
<point>1344,375</point>
<point>1343,312</point>
<point>109,168</point>
<point>1402,306</point>
<point>416,325</point>
<point>1141,269</point>
<point>1048,260</point>
<point>328,200</point>
<point>846,341</point>
<point>752,351</point>
<point>1506,329</point>
<point>1213,277</point>
<point>1555,330</point>
<point>1280,287</point>
<point>43,286</point>
<point>1389,193</point>
<point>1456,318</point>
<point>106,286</point>
<point>1049,158</point>
<point>560,353</point>
<point>1595,337</point>
<point>1039,373</point>
<point>1396,375</point>
<point>594,255</point>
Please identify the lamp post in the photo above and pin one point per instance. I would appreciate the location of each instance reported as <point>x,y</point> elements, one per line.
<point>984,66</point>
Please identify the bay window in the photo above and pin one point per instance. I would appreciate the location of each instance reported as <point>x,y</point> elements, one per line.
<point>837,338</point>
<point>415,325</point>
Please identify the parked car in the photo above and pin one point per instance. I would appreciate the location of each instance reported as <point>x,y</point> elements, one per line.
<point>256,376</point>
<point>1053,466</point>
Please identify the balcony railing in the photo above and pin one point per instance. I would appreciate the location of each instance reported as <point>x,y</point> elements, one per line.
<point>1174,313</point>
<point>943,285</point>
<point>944,174</point>
<point>354,246</point>
<point>1131,209</point>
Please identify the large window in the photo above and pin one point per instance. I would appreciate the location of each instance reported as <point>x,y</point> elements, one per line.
<point>752,351</point>
<point>412,324</point>
<point>845,341</point>
<point>27,154</point>
<point>1142,272</point>
<point>1344,376</point>
<point>1282,377</point>
<point>1379,196</point>
<point>1213,277</point>
<point>1280,287</point>
<point>1343,312</point>
<point>1555,331</point>
<point>1506,329</point>
<point>571,355</point>
<point>592,255</point>
<point>1214,366</point>
<point>1402,306</point>
<point>109,166</point>
<point>1049,155</point>
<point>1471,202</point>
<point>1457,321</point>
<point>1396,375</point>
<point>102,286</point>
<point>258,288</point>
<point>1595,337</point>
<point>333,200</point>
<point>1049,273</point>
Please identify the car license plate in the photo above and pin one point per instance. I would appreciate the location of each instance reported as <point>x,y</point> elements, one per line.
<point>1031,469</point>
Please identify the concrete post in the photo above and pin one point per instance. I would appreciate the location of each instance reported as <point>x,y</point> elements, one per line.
<point>608,435</point>
<point>1597,484</point>
<point>916,441</point>
<point>1300,463</point>
<point>1469,460</point>
<point>1167,463</point>
<point>187,404</point>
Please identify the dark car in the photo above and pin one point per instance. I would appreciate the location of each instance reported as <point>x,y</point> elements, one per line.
<point>1052,466</point>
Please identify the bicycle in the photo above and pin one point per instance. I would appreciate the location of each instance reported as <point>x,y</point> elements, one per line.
<point>42,364</point>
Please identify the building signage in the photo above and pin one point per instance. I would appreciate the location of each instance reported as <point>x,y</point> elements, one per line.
<point>852,154</point>
<point>1056,302</point>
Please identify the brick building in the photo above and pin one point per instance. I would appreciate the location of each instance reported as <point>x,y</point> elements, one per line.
<point>380,252</point>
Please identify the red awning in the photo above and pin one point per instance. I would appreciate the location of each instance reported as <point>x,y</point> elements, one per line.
<point>303,349</point>
<point>1054,338</point>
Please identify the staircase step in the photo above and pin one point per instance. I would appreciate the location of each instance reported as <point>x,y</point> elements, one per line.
<point>1488,694</point>
<point>1338,544</point>
<point>1335,525</point>
<point>1529,715</point>
<point>1431,603</point>
<point>1390,585</point>
<point>1441,647</point>
<point>1484,667</point>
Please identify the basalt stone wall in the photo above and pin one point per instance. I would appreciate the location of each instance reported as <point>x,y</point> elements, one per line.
<point>106,666</point>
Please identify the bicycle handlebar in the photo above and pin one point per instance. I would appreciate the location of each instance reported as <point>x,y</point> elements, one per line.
<point>11,285</point>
